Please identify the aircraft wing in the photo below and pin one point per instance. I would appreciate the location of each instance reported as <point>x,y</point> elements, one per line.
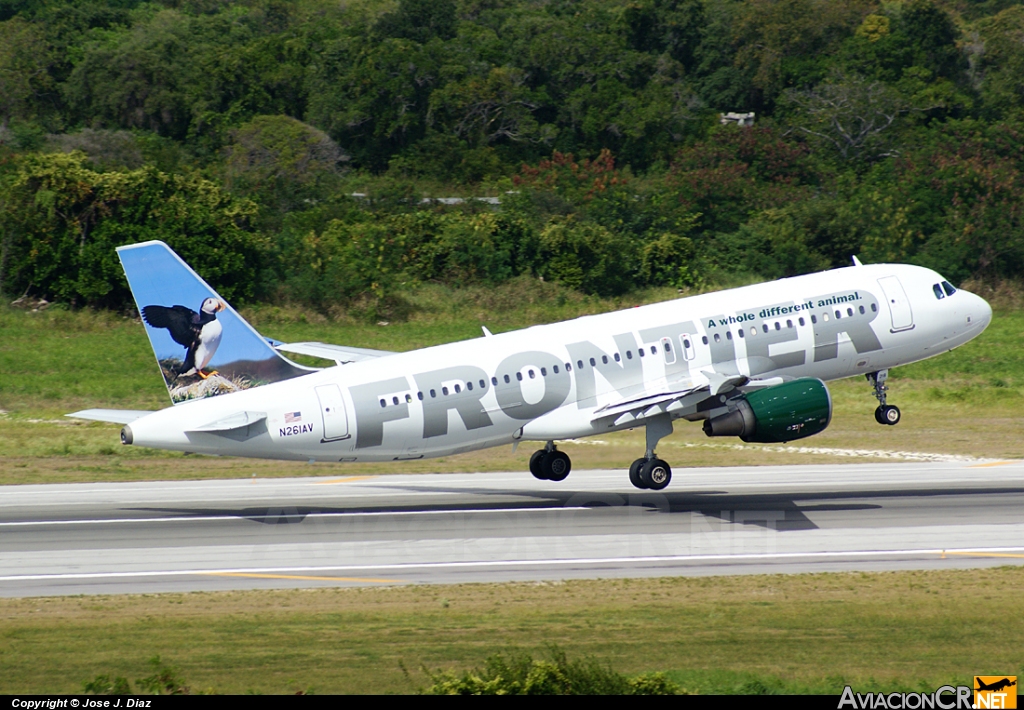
<point>671,400</point>
<point>114,416</point>
<point>339,353</point>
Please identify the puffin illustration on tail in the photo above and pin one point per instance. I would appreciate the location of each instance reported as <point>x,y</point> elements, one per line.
<point>222,351</point>
<point>198,332</point>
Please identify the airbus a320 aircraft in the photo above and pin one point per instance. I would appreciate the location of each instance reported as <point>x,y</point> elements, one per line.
<point>749,362</point>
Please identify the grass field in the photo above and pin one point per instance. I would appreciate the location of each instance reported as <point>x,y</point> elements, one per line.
<point>806,633</point>
<point>795,633</point>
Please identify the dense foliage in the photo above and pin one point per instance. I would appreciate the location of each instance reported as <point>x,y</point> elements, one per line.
<point>285,148</point>
<point>518,673</point>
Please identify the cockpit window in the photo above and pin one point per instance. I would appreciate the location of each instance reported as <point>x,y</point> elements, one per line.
<point>948,287</point>
<point>938,291</point>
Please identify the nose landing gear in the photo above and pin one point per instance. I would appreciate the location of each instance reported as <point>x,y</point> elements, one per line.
<point>885,413</point>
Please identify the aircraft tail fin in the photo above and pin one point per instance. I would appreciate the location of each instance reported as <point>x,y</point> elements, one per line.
<point>203,347</point>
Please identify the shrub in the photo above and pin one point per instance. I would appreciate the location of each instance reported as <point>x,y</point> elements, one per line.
<point>517,673</point>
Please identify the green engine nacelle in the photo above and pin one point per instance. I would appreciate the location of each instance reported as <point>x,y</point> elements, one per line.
<point>784,412</point>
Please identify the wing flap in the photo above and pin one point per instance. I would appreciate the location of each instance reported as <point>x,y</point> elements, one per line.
<point>650,404</point>
<point>674,400</point>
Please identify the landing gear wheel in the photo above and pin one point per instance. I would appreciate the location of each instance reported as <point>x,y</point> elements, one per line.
<point>888,414</point>
<point>634,473</point>
<point>885,413</point>
<point>536,464</point>
<point>555,466</point>
<point>655,474</point>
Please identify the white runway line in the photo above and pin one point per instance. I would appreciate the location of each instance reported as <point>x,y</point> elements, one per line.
<point>848,453</point>
<point>490,564</point>
<point>281,513</point>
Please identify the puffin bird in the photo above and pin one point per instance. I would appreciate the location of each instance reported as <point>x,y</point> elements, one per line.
<point>198,332</point>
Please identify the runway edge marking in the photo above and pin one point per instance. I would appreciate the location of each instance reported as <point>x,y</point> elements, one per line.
<point>513,563</point>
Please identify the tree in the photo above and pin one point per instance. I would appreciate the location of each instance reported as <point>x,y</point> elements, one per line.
<point>782,42</point>
<point>737,171</point>
<point>419,20</point>
<point>25,60</point>
<point>283,163</point>
<point>107,150</point>
<point>851,115</point>
<point>931,36</point>
<point>136,78</point>
<point>497,107</point>
<point>373,97</point>
<point>586,257</point>
<point>67,220</point>
<point>955,203</point>
<point>997,63</point>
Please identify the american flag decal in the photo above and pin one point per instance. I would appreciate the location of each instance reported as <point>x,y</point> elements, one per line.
<point>290,417</point>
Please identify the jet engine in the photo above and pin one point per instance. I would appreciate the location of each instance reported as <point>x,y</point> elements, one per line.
<point>792,410</point>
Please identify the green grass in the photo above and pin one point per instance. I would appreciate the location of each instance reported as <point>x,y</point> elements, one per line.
<point>782,633</point>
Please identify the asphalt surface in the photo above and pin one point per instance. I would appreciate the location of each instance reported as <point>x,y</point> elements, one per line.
<point>111,538</point>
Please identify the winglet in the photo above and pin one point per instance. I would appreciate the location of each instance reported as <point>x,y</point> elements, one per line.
<point>201,352</point>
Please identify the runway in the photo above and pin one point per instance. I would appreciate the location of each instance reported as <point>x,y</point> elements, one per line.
<point>111,538</point>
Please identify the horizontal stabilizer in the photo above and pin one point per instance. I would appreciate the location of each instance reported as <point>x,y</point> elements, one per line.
<point>339,353</point>
<point>235,421</point>
<point>114,416</point>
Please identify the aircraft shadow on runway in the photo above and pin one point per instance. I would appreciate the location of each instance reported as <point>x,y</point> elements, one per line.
<point>782,512</point>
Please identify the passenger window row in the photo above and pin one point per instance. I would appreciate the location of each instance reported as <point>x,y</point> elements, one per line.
<point>531,373</point>
<point>666,344</point>
<point>789,324</point>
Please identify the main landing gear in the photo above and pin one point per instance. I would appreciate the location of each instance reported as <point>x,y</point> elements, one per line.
<point>885,413</point>
<point>653,474</point>
<point>650,472</point>
<point>550,464</point>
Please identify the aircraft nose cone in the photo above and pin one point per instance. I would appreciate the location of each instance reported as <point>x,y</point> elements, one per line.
<point>979,315</point>
<point>986,312</point>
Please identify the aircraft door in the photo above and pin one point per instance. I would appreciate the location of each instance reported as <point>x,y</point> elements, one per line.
<point>899,304</point>
<point>666,347</point>
<point>688,350</point>
<point>332,408</point>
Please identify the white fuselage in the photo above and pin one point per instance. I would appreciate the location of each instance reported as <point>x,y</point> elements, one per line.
<point>546,382</point>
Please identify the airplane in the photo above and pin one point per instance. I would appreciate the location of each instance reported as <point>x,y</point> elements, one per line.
<point>995,686</point>
<point>749,362</point>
